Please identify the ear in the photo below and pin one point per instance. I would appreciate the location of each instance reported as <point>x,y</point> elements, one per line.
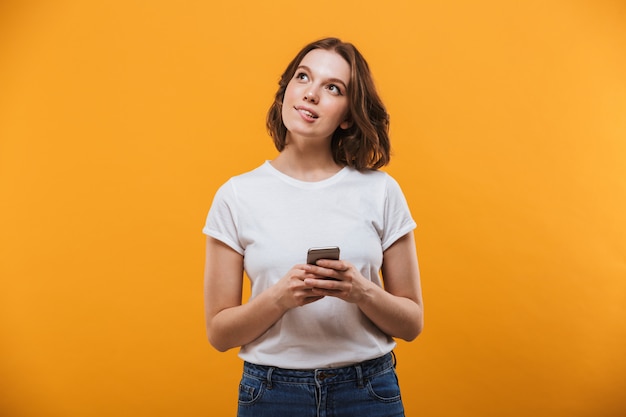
<point>346,124</point>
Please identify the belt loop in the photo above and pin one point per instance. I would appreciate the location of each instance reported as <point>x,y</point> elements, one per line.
<point>395,360</point>
<point>359,375</point>
<point>269,377</point>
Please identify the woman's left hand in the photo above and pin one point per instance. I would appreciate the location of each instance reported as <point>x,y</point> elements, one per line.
<point>342,280</point>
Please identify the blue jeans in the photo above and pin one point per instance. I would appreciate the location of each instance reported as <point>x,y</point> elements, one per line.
<point>366,389</point>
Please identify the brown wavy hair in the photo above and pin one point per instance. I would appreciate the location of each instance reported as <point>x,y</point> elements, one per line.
<point>363,145</point>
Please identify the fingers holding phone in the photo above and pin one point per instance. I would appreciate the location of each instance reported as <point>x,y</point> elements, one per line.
<point>340,278</point>
<point>322,254</point>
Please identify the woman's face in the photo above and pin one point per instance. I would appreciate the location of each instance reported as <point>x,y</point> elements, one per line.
<point>316,100</point>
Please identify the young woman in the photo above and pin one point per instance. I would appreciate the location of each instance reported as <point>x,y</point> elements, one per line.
<point>317,339</point>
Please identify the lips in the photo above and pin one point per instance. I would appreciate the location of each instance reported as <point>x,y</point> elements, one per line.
<point>307,113</point>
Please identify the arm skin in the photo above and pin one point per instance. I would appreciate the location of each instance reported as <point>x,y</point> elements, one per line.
<point>231,323</point>
<point>397,309</point>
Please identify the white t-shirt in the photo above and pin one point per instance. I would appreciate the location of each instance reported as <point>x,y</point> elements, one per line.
<point>273,219</point>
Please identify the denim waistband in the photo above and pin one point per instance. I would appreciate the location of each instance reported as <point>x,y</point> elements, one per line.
<point>358,372</point>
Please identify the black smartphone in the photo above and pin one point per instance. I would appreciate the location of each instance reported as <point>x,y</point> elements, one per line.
<point>328,252</point>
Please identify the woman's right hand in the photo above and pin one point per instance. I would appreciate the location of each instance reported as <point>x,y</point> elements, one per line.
<point>291,291</point>
<point>231,323</point>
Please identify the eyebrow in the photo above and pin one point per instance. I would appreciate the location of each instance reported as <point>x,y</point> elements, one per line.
<point>331,80</point>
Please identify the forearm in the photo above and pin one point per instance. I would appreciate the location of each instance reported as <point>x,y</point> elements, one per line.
<point>242,324</point>
<point>396,316</point>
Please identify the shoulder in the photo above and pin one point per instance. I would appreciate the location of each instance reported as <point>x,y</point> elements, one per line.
<point>248,178</point>
<point>258,172</point>
<point>229,189</point>
<point>374,178</point>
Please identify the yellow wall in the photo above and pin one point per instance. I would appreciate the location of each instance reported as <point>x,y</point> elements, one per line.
<point>119,119</point>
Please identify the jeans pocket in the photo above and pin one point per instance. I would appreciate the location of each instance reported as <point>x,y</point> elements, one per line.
<point>250,389</point>
<point>384,386</point>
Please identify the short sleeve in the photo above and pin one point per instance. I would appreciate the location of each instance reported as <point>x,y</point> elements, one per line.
<point>397,216</point>
<point>221,222</point>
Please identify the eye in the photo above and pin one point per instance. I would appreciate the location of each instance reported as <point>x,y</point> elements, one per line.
<point>334,89</point>
<point>302,76</point>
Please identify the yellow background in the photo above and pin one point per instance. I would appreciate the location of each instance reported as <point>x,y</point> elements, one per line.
<point>119,120</point>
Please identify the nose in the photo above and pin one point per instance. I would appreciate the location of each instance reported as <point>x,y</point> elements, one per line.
<point>310,96</point>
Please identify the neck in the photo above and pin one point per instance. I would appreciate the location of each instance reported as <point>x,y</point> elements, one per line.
<point>306,163</point>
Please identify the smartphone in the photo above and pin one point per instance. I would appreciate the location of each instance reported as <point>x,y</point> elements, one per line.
<point>328,252</point>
